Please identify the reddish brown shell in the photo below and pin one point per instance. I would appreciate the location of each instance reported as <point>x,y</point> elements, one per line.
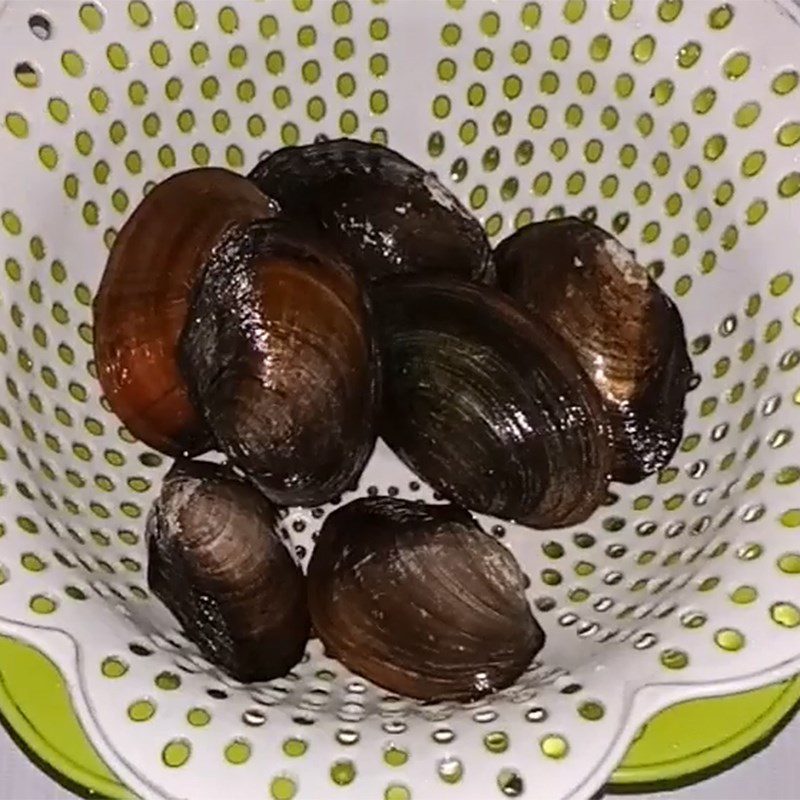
<point>627,334</point>
<point>140,306</point>
<point>279,357</point>
<point>419,600</point>
<point>217,562</point>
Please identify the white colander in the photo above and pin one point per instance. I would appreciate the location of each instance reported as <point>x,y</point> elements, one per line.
<point>677,123</point>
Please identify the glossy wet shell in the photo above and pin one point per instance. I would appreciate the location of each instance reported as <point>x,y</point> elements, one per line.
<point>488,406</point>
<point>386,214</point>
<point>627,333</point>
<point>217,562</point>
<point>140,306</point>
<point>419,600</point>
<point>280,359</point>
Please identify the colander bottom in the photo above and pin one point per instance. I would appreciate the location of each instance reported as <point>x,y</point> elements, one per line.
<point>702,737</point>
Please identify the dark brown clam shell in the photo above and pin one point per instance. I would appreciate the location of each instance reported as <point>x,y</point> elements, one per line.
<point>140,306</point>
<point>626,332</point>
<point>487,405</point>
<point>217,562</point>
<point>382,211</point>
<point>419,600</point>
<point>279,357</point>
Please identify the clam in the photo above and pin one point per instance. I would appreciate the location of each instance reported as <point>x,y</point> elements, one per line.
<point>218,564</point>
<point>488,405</point>
<point>383,212</point>
<point>140,306</point>
<point>419,600</point>
<point>279,357</point>
<point>627,334</point>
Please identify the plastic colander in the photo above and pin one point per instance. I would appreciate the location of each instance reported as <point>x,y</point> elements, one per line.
<point>674,124</point>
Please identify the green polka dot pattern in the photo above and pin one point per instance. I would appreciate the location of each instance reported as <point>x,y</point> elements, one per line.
<point>658,119</point>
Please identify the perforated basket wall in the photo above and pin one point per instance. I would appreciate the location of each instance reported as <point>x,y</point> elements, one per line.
<point>677,124</point>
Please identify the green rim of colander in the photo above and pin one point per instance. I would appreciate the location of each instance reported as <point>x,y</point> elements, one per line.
<point>37,711</point>
<point>697,739</point>
<point>686,743</point>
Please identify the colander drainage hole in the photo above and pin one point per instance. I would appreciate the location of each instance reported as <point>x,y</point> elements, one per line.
<point>40,26</point>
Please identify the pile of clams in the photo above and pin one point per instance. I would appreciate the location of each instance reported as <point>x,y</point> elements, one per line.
<point>339,292</point>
